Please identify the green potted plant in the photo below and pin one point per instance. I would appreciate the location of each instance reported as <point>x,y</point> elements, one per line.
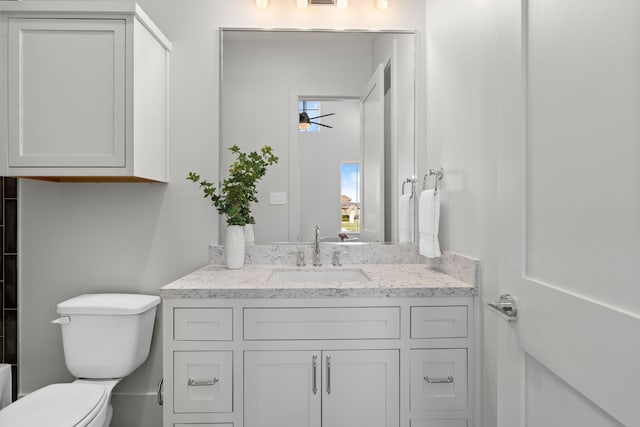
<point>235,196</point>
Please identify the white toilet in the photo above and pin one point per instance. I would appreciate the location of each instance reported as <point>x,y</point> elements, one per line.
<point>105,338</point>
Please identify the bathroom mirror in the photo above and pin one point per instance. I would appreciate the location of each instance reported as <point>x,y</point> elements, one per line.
<point>344,174</point>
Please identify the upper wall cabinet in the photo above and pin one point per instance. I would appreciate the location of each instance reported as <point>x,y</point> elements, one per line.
<point>86,94</point>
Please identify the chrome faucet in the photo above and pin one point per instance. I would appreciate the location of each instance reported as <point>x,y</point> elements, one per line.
<point>316,249</point>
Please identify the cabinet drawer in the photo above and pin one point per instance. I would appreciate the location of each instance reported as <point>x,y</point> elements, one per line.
<point>439,379</point>
<point>439,322</point>
<point>203,324</point>
<point>439,423</point>
<point>203,381</point>
<point>322,323</point>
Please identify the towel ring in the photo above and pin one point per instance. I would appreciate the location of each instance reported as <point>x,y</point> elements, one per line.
<point>438,174</point>
<point>412,180</point>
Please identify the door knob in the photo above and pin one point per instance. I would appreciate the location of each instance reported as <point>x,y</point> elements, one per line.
<point>506,307</point>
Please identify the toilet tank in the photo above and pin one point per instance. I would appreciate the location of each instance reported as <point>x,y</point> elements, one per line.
<point>106,335</point>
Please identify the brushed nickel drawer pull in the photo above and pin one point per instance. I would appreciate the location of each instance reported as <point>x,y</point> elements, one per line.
<point>328,374</point>
<point>196,383</point>
<point>314,373</point>
<point>435,380</point>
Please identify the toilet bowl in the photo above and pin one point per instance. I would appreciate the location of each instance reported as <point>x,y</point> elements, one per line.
<point>105,338</point>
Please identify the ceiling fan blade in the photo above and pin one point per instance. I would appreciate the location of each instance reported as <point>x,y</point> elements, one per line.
<point>324,115</point>
<point>320,124</point>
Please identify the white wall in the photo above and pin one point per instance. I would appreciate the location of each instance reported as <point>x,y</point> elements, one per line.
<point>462,136</point>
<point>77,238</point>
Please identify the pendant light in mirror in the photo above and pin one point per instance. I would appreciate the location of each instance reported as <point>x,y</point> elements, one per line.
<point>304,122</point>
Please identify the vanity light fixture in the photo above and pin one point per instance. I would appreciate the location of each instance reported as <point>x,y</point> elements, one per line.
<point>381,4</point>
<point>340,4</point>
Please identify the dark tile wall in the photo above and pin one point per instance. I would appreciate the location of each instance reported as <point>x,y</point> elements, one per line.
<point>9,276</point>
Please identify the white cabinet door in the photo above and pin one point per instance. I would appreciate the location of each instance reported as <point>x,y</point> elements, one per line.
<point>361,388</point>
<point>66,93</point>
<point>282,388</point>
<point>358,388</point>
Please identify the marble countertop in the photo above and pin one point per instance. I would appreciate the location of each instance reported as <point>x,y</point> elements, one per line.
<point>387,280</point>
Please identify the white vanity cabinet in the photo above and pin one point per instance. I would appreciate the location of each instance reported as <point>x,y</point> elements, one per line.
<point>86,92</point>
<point>319,362</point>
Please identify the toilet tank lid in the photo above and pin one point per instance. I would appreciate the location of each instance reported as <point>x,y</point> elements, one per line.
<point>113,304</point>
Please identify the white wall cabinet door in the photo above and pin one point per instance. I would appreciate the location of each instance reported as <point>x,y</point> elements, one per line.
<point>66,93</point>
<point>361,388</point>
<point>282,388</point>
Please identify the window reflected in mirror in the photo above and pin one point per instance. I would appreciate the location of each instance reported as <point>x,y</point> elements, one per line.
<point>350,197</point>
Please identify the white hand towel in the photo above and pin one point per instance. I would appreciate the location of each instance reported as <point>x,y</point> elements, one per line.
<point>405,218</point>
<point>5,385</point>
<point>428,219</point>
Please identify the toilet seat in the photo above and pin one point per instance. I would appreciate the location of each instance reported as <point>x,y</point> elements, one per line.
<point>59,405</point>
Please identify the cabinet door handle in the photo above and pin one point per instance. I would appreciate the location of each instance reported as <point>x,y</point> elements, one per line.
<point>196,383</point>
<point>314,374</point>
<point>436,380</point>
<point>328,374</point>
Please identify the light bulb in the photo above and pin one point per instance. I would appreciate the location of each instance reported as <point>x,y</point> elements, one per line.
<point>302,3</point>
<point>342,4</point>
<point>381,4</point>
<point>262,3</point>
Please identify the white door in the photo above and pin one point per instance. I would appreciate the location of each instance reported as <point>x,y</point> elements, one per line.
<point>372,182</point>
<point>361,388</point>
<point>282,388</point>
<point>569,212</point>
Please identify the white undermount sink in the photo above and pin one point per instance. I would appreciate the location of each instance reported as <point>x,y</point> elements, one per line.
<point>319,275</point>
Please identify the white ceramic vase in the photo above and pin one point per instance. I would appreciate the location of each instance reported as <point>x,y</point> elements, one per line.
<point>248,233</point>
<point>234,247</point>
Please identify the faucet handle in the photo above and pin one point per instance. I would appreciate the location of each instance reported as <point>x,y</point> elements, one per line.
<point>335,259</point>
<point>300,258</point>
<point>299,253</point>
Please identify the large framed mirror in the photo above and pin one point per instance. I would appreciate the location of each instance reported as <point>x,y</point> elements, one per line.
<point>344,170</point>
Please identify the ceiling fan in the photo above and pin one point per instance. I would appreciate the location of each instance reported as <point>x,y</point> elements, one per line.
<point>305,121</point>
